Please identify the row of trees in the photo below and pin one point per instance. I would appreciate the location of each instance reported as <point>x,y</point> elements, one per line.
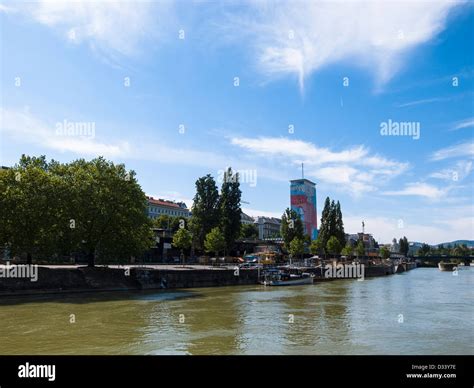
<point>91,208</point>
<point>215,222</point>
<point>403,245</point>
<point>332,238</point>
<point>456,250</point>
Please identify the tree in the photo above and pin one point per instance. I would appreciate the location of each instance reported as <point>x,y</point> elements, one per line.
<point>215,241</point>
<point>324,230</point>
<point>332,223</point>
<point>163,221</point>
<point>296,247</point>
<point>291,227</point>
<point>424,250</point>
<point>248,231</point>
<point>30,216</point>
<point>229,207</point>
<point>360,249</point>
<point>107,210</point>
<point>93,208</point>
<point>404,246</point>
<point>348,250</point>
<point>205,209</point>
<point>384,253</point>
<point>339,225</point>
<point>316,247</point>
<point>333,245</point>
<point>182,240</point>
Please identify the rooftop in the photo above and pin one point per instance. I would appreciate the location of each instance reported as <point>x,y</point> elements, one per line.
<point>164,202</point>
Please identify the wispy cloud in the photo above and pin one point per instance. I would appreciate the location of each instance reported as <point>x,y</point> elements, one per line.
<point>458,150</point>
<point>462,169</point>
<point>354,168</point>
<point>26,127</point>
<point>109,27</point>
<point>444,228</point>
<point>297,40</point>
<point>419,189</point>
<point>421,102</point>
<point>468,123</point>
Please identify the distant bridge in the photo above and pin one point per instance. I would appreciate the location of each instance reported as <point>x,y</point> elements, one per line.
<point>467,260</point>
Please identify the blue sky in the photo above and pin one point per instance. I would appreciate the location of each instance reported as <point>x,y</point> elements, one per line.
<point>176,90</point>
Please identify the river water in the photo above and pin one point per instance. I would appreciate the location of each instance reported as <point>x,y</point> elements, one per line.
<point>423,311</point>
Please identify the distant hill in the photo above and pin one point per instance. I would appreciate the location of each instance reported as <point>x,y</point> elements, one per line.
<point>469,243</point>
<point>415,245</point>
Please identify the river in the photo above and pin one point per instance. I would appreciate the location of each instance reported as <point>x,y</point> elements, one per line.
<point>423,311</point>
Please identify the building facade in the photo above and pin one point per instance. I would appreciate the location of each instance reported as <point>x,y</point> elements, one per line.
<point>158,207</point>
<point>246,219</point>
<point>268,227</point>
<point>303,202</point>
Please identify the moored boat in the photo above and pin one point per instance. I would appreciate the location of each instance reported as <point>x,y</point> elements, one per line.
<point>279,278</point>
<point>447,266</point>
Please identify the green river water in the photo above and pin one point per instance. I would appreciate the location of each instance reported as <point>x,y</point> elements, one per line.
<point>424,311</point>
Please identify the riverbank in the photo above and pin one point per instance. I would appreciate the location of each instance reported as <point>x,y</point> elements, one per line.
<point>74,279</point>
<point>71,279</point>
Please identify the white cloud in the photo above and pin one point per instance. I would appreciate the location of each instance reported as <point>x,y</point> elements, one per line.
<point>111,27</point>
<point>419,189</point>
<point>462,170</point>
<point>458,150</point>
<point>353,169</point>
<point>25,127</point>
<point>430,231</point>
<point>298,39</point>
<point>468,123</point>
<point>421,102</point>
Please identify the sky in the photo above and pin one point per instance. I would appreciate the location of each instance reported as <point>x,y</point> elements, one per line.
<point>176,90</point>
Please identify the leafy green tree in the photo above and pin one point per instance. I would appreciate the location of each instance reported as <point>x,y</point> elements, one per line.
<point>108,208</point>
<point>296,247</point>
<point>338,224</point>
<point>324,229</point>
<point>403,246</point>
<point>332,223</point>
<point>182,240</point>
<point>229,207</point>
<point>30,216</point>
<point>167,222</point>
<point>249,231</point>
<point>360,249</point>
<point>348,250</point>
<point>333,245</point>
<point>215,241</point>
<point>163,221</point>
<point>205,209</point>
<point>316,247</point>
<point>424,250</point>
<point>95,208</point>
<point>384,253</point>
<point>291,227</point>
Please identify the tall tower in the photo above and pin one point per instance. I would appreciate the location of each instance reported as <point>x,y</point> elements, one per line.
<point>303,202</point>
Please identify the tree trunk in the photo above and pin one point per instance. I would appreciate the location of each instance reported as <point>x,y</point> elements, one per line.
<point>29,259</point>
<point>90,259</point>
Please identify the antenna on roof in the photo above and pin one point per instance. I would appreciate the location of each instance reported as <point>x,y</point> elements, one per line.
<point>302,170</point>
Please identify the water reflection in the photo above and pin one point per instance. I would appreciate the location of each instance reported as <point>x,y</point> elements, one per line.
<point>400,314</point>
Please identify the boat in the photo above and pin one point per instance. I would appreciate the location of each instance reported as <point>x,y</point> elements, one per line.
<point>280,278</point>
<point>447,266</point>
